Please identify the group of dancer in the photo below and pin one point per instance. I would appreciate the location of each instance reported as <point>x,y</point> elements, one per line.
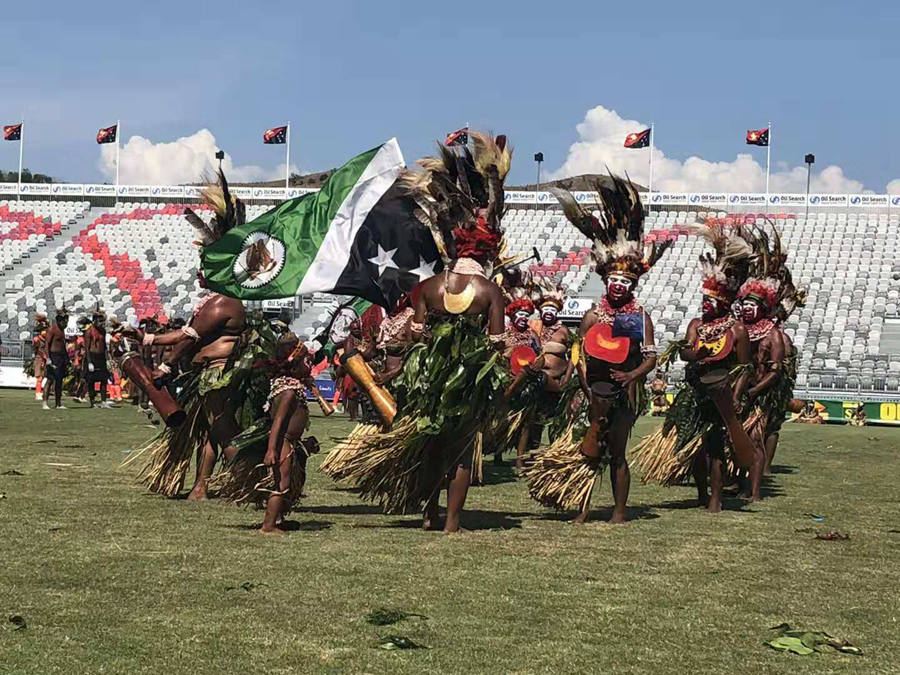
<point>474,361</point>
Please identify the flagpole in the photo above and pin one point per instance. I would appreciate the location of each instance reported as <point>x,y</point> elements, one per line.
<point>287,159</point>
<point>118,133</point>
<point>650,186</point>
<point>21,146</point>
<point>768,158</point>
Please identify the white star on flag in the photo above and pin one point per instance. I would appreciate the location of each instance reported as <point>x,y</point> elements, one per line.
<point>425,270</point>
<point>384,259</point>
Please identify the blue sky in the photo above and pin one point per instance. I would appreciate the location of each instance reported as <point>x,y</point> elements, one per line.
<point>351,74</point>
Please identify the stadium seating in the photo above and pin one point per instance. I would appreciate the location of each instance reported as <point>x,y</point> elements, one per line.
<point>136,260</point>
<point>26,226</point>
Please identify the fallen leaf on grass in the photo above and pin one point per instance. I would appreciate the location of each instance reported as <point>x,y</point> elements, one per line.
<point>12,472</point>
<point>2,495</point>
<point>57,464</point>
<point>246,586</point>
<point>805,643</point>
<point>18,622</point>
<point>399,642</point>
<point>386,617</point>
<point>832,536</point>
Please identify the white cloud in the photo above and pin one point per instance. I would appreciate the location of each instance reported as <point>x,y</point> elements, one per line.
<point>186,160</point>
<point>600,144</point>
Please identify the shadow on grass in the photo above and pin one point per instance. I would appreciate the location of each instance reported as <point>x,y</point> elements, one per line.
<point>472,519</point>
<point>496,474</point>
<point>287,526</point>
<point>343,509</point>
<point>783,469</point>
<point>601,514</point>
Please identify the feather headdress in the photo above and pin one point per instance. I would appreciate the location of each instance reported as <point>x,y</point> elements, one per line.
<point>459,196</point>
<point>770,279</point>
<point>546,291</point>
<point>618,234</point>
<point>726,270</point>
<point>229,211</point>
<point>517,287</point>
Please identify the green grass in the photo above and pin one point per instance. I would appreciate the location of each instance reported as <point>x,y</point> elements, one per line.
<point>112,579</point>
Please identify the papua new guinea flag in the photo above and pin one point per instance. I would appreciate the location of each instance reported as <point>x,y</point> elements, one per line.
<point>357,236</point>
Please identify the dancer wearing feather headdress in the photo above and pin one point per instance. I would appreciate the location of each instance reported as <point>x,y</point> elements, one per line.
<point>539,364</point>
<point>211,342</point>
<point>37,365</point>
<point>453,378</point>
<point>705,410</point>
<point>769,287</point>
<point>616,336</point>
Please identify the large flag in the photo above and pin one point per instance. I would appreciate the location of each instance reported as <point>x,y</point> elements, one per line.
<point>639,139</point>
<point>12,132</point>
<point>276,136</point>
<point>108,134</point>
<point>758,137</point>
<point>357,236</point>
<point>458,137</point>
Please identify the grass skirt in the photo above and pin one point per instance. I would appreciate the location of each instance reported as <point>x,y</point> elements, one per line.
<point>451,390</point>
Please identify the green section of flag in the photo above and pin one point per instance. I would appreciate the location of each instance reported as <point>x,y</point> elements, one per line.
<point>299,224</point>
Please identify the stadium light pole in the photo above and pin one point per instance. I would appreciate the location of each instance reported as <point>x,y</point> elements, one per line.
<point>810,160</point>
<point>287,159</point>
<point>538,157</point>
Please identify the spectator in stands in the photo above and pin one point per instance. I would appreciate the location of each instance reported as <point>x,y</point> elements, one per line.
<point>58,359</point>
<point>97,367</point>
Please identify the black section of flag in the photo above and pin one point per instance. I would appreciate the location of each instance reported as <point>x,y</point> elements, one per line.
<point>276,136</point>
<point>391,254</point>
<point>639,139</point>
<point>12,132</point>
<point>458,137</point>
<point>758,137</point>
<point>108,134</point>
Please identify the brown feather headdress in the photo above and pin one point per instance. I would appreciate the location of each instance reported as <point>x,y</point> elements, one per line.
<point>230,211</point>
<point>725,270</point>
<point>546,291</point>
<point>618,234</point>
<point>459,196</point>
<point>770,280</point>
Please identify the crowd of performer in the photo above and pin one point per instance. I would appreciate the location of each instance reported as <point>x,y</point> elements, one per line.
<point>471,362</point>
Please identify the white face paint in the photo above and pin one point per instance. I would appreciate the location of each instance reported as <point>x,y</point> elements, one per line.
<point>520,319</point>
<point>751,312</point>
<point>549,314</point>
<point>618,286</point>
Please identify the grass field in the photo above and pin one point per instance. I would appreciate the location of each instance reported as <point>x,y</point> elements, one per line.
<point>112,579</point>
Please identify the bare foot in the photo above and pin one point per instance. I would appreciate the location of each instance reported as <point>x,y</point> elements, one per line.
<point>198,495</point>
<point>618,518</point>
<point>270,530</point>
<point>714,506</point>
<point>430,524</point>
<point>458,530</point>
<point>580,519</point>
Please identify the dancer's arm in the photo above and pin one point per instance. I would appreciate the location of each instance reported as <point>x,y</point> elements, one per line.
<point>776,356</point>
<point>285,405</point>
<point>690,353</point>
<point>742,349</point>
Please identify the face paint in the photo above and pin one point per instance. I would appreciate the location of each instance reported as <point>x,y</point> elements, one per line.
<point>751,312</point>
<point>520,320</point>
<point>549,314</point>
<point>619,287</point>
<point>711,306</point>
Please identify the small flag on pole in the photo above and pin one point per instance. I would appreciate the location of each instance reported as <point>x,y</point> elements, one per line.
<point>458,137</point>
<point>276,136</point>
<point>639,139</point>
<point>12,132</point>
<point>108,134</point>
<point>758,137</point>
